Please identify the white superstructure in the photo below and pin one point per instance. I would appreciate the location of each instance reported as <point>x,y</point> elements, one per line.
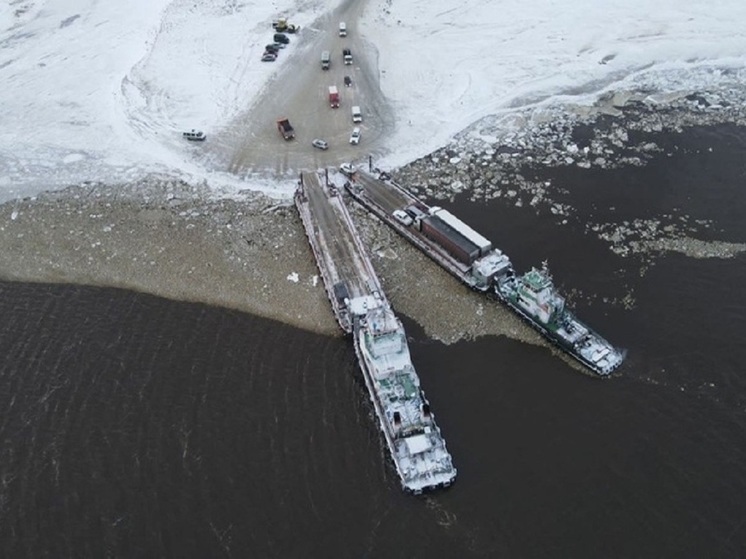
<point>417,447</point>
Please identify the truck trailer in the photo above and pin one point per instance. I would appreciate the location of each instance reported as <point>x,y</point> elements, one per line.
<point>444,215</point>
<point>454,243</point>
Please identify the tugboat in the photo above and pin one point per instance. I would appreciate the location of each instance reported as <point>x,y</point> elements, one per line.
<point>534,297</point>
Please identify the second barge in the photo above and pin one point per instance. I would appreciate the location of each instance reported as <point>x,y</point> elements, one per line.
<point>473,260</point>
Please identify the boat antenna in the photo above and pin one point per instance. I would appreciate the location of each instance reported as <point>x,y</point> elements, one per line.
<point>545,269</point>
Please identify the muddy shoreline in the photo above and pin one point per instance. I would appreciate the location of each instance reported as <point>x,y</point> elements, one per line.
<point>175,240</point>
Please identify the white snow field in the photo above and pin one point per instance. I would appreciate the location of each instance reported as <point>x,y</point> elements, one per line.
<point>100,90</point>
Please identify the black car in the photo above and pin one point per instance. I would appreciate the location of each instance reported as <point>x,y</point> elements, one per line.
<point>274,47</point>
<point>281,38</point>
<point>348,81</point>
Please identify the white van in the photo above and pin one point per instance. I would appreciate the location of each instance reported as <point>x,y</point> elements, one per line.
<point>357,115</point>
<point>342,29</point>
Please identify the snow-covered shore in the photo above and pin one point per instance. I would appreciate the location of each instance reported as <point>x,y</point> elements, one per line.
<point>100,91</point>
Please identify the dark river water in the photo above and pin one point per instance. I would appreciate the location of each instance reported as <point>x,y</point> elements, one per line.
<point>133,426</point>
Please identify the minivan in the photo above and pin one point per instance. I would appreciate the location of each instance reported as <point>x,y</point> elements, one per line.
<point>357,115</point>
<point>342,29</point>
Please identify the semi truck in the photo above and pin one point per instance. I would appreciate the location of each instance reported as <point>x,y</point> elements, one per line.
<point>285,129</point>
<point>333,97</point>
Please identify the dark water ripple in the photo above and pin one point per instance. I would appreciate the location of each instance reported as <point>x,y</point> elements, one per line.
<point>139,427</point>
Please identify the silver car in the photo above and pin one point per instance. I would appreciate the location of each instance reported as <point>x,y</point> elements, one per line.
<point>319,143</point>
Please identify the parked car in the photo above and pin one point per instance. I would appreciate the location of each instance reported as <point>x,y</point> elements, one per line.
<point>357,114</point>
<point>355,136</point>
<point>274,47</point>
<point>348,81</point>
<point>269,56</point>
<point>194,135</point>
<point>281,38</point>
<point>347,169</point>
<point>403,217</point>
<point>319,143</point>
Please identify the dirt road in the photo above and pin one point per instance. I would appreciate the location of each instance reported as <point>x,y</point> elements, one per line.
<point>300,93</point>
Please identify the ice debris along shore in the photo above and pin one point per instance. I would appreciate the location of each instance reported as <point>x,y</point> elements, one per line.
<point>168,238</point>
<point>493,159</point>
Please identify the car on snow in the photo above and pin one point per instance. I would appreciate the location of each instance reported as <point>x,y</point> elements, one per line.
<point>348,81</point>
<point>274,47</point>
<point>319,143</point>
<point>269,57</point>
<point>194,135</point>
<point>281,38</point>
<point>403,217</point>
<point>347,169</point>
<point>355,136</point>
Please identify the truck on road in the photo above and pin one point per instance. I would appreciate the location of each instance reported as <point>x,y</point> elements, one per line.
<point>347,56</point>
<point>326,60</point>
<point>285,129</point>
<point>333,97</point>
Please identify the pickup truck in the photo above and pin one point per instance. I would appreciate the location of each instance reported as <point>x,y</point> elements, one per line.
<point>285,129</point>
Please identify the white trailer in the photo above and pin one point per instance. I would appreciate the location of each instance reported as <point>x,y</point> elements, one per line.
<point>484,245</point>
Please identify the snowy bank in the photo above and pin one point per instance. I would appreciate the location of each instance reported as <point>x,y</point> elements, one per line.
<point>100,91</point>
